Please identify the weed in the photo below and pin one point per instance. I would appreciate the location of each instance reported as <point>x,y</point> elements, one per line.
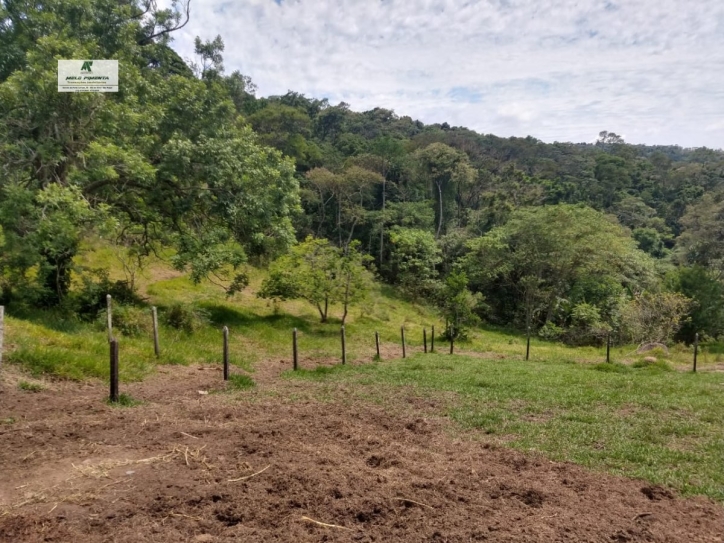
<point>30,387</point>
<point>238,381</point>
<point>124,400</point>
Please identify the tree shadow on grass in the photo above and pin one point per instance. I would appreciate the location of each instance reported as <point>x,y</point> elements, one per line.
<point>223,315</point>
<point>52,320</point>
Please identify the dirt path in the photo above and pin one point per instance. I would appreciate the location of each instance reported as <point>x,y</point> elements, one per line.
<point>277,465</point>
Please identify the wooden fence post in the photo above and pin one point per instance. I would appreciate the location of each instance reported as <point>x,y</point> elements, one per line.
<point>294,349</point>
<point>114,370</point>
<point>432,340</point>
<point>608,347</point>
<point>402,333</point>
<point>344,347</point>
<point>154,316</point>
<point>527,345</point>
<point>109,317</point>
<point>696,348</point>
<point>451,331</point>
<point>377,344</point>
<point>226,353</point>
<point>424,338</point>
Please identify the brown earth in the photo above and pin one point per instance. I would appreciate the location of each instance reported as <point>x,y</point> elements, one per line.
<point>275,464</point>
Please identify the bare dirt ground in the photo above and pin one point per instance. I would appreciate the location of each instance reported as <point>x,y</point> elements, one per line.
<point>276,464</point>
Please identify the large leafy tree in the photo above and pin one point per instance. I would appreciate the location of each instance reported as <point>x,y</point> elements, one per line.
<point>702,241</point>
<point>528,266</point>
<point>165,157</point>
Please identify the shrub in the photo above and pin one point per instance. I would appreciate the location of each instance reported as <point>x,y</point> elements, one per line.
<point>186,318</point>
<point>129,320</point>
<point>90,299</point>
<point>654,317</point>
<point>551,332</point>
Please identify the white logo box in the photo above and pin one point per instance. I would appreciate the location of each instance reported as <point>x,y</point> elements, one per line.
<point>87,76</point>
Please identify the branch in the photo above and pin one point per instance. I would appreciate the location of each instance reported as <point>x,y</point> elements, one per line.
<point>146,40</point>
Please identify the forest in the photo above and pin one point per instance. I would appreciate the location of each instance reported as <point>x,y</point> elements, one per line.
<point>572,241</point>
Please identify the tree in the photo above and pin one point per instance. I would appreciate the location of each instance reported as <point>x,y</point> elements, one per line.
<point>458,304</point>
<point>414,257</point>
<point>702,240</point>
<point>321,274</point>
<point>654,317</point>
<point>528,266</point>
<point>706,313</point>
<point>609,137</point>
<point>173,165</point>
<point>449,172</point>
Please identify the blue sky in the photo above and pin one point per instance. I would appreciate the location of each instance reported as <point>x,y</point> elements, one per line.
<point>558,70</point>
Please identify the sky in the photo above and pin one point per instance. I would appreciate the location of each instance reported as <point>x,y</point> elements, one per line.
<point>557,70</point>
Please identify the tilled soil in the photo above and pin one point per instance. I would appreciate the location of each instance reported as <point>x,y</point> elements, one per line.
<point>277,465</point>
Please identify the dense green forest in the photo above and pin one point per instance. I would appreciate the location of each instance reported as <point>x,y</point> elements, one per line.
<point>185,162</point>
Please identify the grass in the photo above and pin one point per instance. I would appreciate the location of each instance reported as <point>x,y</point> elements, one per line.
<point>124,400</point>
<point>647,421</point>
<point>30,387</point>
<point>238,381</point>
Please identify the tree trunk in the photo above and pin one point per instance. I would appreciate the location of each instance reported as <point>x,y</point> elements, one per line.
<point>439,221</point>
<point>382,222</point>
<point>346,297</point>
<point>322,315</point>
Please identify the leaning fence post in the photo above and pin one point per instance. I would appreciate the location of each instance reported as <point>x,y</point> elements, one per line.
<point>226,353</point>
<point>2,331</point>
<point>527,344</point>
<point>432,340</point>
<point>377,344</point>
<point>402,333</point>
<point>344,347</point>
<point>154,316</point>
<point>696,348</point>
<point>114,370</point>
<point>109,317</point>
<point>294,350</point>
<point>424,338</point>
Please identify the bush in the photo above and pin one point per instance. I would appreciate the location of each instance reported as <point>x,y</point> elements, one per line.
<point>90,299</point>
<point>186,318</point>
<point>551,332</point>
<point>654,317</point>
<point>129,320</point>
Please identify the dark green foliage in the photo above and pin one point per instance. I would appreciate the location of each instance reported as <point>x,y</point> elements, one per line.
<point>90,299</point>
<point>707,293</point>
<point>185,317</point>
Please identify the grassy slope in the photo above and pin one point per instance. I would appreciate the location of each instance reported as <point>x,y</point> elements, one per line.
<point>665,426</point>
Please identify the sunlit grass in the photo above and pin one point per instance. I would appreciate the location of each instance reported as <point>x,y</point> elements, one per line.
<point>646,421</point>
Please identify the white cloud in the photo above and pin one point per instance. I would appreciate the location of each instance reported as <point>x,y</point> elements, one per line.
<point>554,69</point>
